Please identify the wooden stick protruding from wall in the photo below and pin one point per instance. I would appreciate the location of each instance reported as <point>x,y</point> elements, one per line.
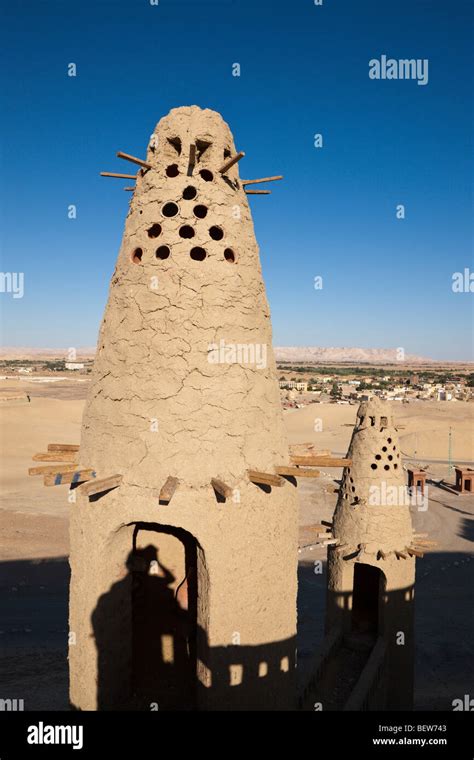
<point>168,489</point>
<point>63,447</point>
<point>320,461</point>
<point>133,159</point>
<point>221,488</point>
<point>263,179</point>
<point>49,469</point>
<point>100,486</point>
<point>233,160</point>
<point>265,478</point>
<point>119,176</point>
<point>52,456</point>
<point>72,476</point>
<point>297,472</point>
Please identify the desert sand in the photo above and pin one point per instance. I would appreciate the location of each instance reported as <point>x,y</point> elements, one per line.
<point>34,542</point>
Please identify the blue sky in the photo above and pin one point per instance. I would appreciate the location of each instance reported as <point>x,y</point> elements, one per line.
<point>304,70</point>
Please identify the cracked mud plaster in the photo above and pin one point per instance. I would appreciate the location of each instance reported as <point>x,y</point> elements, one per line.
<point>358,523</point>
<point>214,420</point>
<point>162,315</point>
<point>376,469</point>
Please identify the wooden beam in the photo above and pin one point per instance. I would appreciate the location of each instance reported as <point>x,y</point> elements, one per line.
<point>400,555</point>
<point>222,488</point>
<point>192,154</point>
<point>168,489</point>
<point>128,189</point>
<point>265,478</point>
<point>47,469</point>
<point>51,456</point>
<point>414,552</point>
<point>258,192</point>
<point>308,449</point>
<point>319,461</point>
<point>99,486</point>
<point>120,176</point>
<point>63,447</point>
<point>297,472</point>
<point>61,478</point>
<point>381,554</point>
<point>341,548</point>
<point>133,159</point>
<point>233,160</point>
<point>264,179</point>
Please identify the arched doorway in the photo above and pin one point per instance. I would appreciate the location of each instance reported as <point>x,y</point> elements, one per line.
<point>164,617</point>
<point>367,596</point>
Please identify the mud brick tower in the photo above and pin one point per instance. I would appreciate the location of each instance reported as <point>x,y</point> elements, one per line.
<point>371,564</point>
<point>184,551</point>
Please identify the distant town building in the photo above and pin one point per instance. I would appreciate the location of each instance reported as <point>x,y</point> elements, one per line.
<point>444,395</point>
<point>346,389</point>
<point>299,386</point>
<point>74,365</point>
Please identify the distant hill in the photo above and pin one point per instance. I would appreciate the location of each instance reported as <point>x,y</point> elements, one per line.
<point>24,352</point>
<point>337,355</point>
<point>283,354</point>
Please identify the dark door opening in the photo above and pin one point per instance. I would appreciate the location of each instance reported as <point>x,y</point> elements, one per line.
<point>366,600</point>
<point>164,618</point>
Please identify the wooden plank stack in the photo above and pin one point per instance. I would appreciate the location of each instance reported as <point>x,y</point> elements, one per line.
<point>61,474</point>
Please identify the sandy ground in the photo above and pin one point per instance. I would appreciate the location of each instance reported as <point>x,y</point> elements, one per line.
<point>34,543</point>
<point>424,428</point>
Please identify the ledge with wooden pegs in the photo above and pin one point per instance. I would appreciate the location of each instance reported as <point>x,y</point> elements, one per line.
<point>61,474</point>
<point>304,458</point>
